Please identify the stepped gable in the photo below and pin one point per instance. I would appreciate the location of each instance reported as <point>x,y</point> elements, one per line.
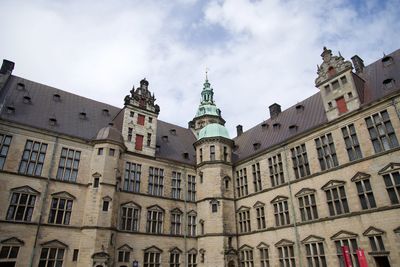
<point>174,141</point>
<point>297,120</point>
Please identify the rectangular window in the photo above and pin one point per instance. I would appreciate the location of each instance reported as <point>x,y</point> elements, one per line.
<point>96,182</point>
<point>105,205</point>
<point>68,165</point>
<point>225,153</point>
<point>130,134</point>
<point>156,181</point>
<point>139,142</point>
<point>192,260</point>
<point>315,255</point>
<point>140,119</point>
<point>154,221</point>
<point>212,152</point>
<point>301,167</point>
<point>111,152</point>
<point>381,131</point>
<point>149,139</point>
<point>191,188</point>
<point>352,245</point>
<point>308,207</point>
<point>132,177</point>
<point>392,182</point>
<point>174,259</point>
<point>129,218</point>
<point>276,170</point>
<point>244,221</point>
<point>256,177</point>
<point>246,258</point>
<point>341,105</point>
<point>75,255</point>
<point>100,151</point>
<point>201,154</point>
<point>123,256</point>
<point>176,222</point>
<point>191,225</point>
<point>241,183</point>
<point>343,79</point>
<point>337,201</point>
<point>281,212</point>
<point>21,207</point>
<point>131,114</point>
<point>33,158</point>
<point>60,211</point>
<point>176,185</point>
<point>264,257</point>
<point>152,259</point>
<point>261,218</point>
<point>51,257</point>
<point>351,142</point>
<point>9,253</point>
<point>5,141</point>
<point>376,243</point>
<point>286,256</point>
<point>365,194</point>
<point>335,85</point>
<point>326,152</point>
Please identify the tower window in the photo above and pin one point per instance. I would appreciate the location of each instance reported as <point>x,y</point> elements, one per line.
<point>327,88</point>
<point>140,119</point>
<point>343,79</point>
<point>341,105</point>
<point>335,85</point>
<point>388,83</point>
<point>214,207</point>
<point>148,139</point>
<point>388,60</point>
<point>139,142</point>
<point>331,72</point>
<point>131,114</point>
<point>212,152</point>
<point>130,131</point>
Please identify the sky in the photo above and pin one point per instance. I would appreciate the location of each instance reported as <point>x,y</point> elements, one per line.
<point>257,52</point>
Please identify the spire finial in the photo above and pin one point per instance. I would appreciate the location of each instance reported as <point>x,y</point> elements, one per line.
<point>207,69</point>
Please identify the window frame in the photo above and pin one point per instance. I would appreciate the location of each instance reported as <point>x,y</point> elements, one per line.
<point>65,172</point>
<point>33,157</point>
<point>5,143</point>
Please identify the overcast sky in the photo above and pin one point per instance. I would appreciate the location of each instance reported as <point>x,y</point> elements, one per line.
<point>257,52</point>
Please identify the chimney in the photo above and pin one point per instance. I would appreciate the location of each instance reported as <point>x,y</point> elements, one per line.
<point>274,110</point>
<point>239,130</point>
<point>7,67</point>
<point>358,64</point>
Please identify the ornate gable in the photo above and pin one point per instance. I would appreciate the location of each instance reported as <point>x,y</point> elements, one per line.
<point>279,198</point>
<point>192,251</point>
<point>258,204</point>
<point>284,242</point>
<point>155,207</point>
<point>332,183</point>
<point>242,208</point>
<point>246,247</point>
<point>63,194</point>
<point>125,247</point>
<point>153,249</point>
<point>343,235</point>
<point>305,191</point>
<point>141,97</point>
<point>390,168</point>
<point>331,66</point>
<point>176,211</point>
<point>131,204</point>
<point>13,241</point>
<point>175,250</point>
<point>360,176</point>
<point>25,190</point>
<point>373,231</point>
<point>312,239</point>
<point>54,244</point>
<point>262,245</point>
<point>192,213</point>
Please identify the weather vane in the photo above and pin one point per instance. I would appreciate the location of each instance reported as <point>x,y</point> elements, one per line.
<point>207,69</point>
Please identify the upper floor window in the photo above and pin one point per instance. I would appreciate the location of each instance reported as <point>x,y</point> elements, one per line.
<point>351,142</point>
<point>326,152</point>
<point>212,152</point>
<point>191,220</point>
<point>51,256</point>
<point>130,134</point>
<point>264,256</point>
<point>256,177</point>
<point>381,131</point>
<point>148,139</point>
<point>246,257</point>
<point>174,258</point>
<point>225,153</point>
<point>176,222</point>
<point>301,167</point>
<point>132,177</point>
<point>391,177</point>
<point>139,142</point>
<point>351,243</point>
<point>191,188</point>
<point>33,158</point>
<point>22,204</point>
<point>61,208</point>
<point>140,119</point>
<point>152,257</point>
<point>315,254</point>
<point>124,253</point>
<point>155,216</point>
<point>364,190</point>
<point>5,141</point>
<point>68,165</point>
<point>9,251</point>
<point>176,185</point>
<point>241,182</point>
<point>286,254</point>
<point>201,155</point>
<point>281,210</point>
<point>214,205</point>
<point>244,220</point>
<point>336,198</point>
<point>156,181</point>
<point>307,205</point>
<point>192,258</point>
<point>129,220</point>
<point>276,170</point>
<point>341,105</point>
<point>260,214</point>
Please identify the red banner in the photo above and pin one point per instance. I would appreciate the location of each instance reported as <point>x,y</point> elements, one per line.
<point>346,256</point>
<point>362,260</point>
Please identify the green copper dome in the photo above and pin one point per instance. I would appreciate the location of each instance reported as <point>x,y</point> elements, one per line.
<point>213,130</point>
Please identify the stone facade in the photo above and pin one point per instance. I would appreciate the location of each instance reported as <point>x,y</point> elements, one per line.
<point>280,194</point>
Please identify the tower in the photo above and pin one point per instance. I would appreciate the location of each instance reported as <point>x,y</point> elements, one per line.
<point>340,88</point>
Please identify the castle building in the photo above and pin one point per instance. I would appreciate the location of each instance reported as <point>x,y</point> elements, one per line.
<point>83,183</point>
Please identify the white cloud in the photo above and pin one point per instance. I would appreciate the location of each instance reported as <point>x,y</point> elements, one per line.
<point>258,52</point>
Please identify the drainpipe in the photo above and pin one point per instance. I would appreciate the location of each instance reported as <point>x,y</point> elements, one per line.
<point>44,198</point>
<point>296,231</point>
<point>185,215</point>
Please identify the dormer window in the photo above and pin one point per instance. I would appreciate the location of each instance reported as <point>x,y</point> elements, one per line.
<point>10,109</point>
<point>20,86</point>
<point>106,112</point>
<point>26,100</point>
<point>293,128</point>
<point>276,125</point>
<point>53,121</point>
<point>256,145</point>
<point>165,138</point>
<point>388,84</point>
<point>56,97</point>
<point>82,115</point>
<point>387,60</point>
<point>264,125</point>
<point>185,155</point>
<point>172,131</point>
<point>299,108</point>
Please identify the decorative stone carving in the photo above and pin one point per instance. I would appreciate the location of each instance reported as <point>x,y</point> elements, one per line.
<point>331,65</point>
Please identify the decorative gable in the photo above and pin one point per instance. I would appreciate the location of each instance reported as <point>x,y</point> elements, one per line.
<point>155,207</point>
<point>331,66</point>
<point>192,251</point>
<point>332,183</point>
<point>96,175</point>
<point>63,194</point>
<point>284,242</point>
<point>192,213</point>
<point>176,211</point>
<point>175,250</point>
<point>25,190</point>
<point>107,198</point>
<point>242,208</point>
<point>262,245</point>
<point>278,199</point>
<point>125,247</point>
<point>258,204</point>
<point>312,239</point>
<point>390,168</point>
<point>360,176</point>
<point>305,191</point>
<point>131,204</point>
<point>343,235</point>
<point>54,244</point>
<point>153,249</point>
<point>371,231</point>
<point>12,241</point>
<point>246,247</point>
